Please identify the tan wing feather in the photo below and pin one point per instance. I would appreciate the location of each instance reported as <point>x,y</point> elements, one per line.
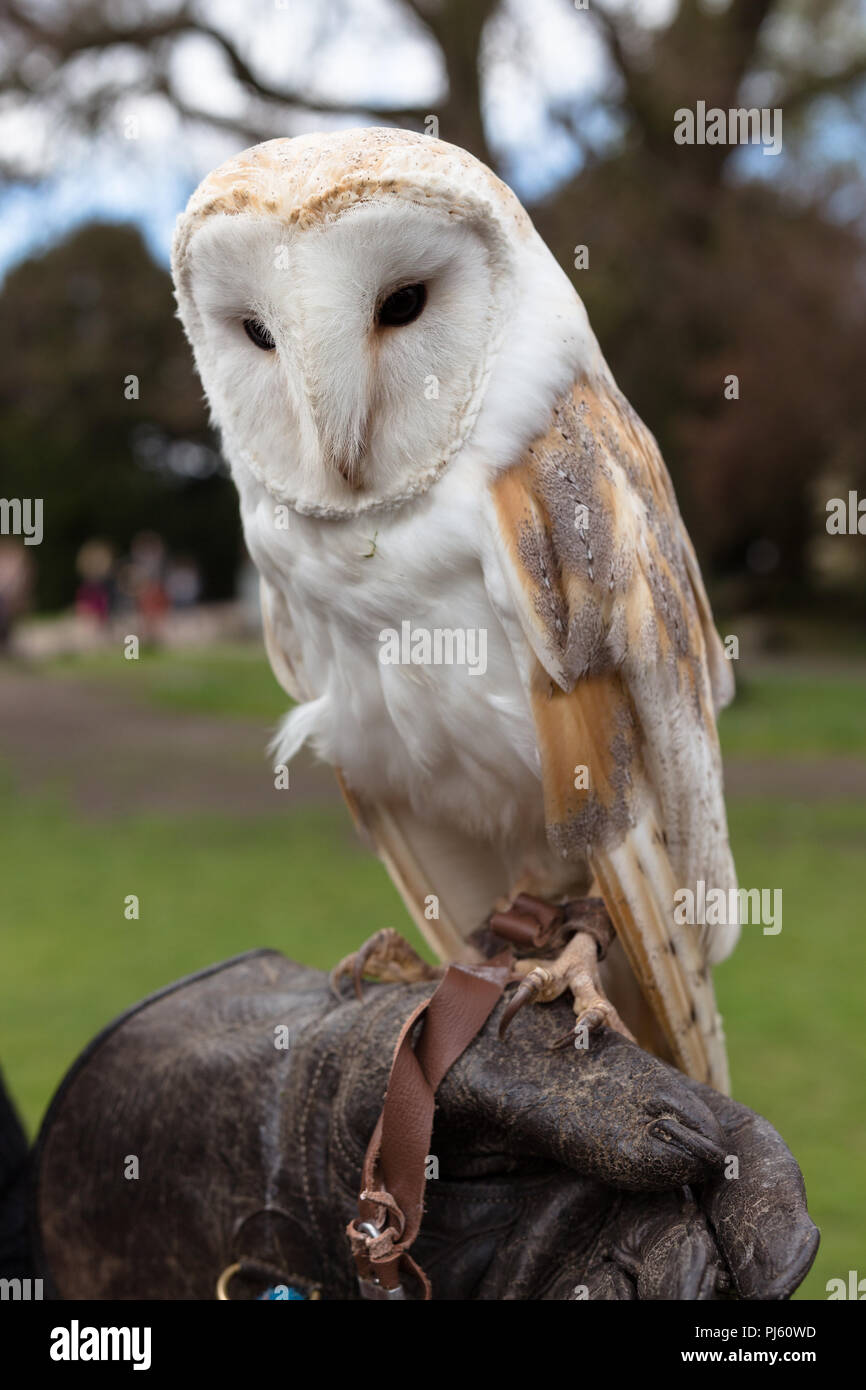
<point>611,601</point>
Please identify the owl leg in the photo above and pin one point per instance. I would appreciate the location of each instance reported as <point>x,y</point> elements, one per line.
<point>574,968</point>
<point>385,956</point>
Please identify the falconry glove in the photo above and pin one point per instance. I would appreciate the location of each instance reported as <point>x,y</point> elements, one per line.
<point>212,1139</point>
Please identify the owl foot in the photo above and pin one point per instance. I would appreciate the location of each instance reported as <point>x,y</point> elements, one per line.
<point>385,956</point>
<point>575,968</point>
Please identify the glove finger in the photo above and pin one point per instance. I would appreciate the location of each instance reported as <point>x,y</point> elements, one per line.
<point>656,1246</point>
<point>631,1122</point>
<point>757,1206</point>
<point>680,1259</point>
<point>612,1112</point>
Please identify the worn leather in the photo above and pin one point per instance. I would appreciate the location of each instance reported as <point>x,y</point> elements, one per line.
<point>562,1173</point>
<point>15,1257</point>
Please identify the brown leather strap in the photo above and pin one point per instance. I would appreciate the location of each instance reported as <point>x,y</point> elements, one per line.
<point>534,926</point>
<point>530,924</point>
<point>391,1201</point>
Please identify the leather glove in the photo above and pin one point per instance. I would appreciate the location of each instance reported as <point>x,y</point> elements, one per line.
<point>188,1143</point>
<point>15,1258</point>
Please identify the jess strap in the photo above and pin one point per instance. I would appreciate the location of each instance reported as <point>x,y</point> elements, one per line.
<point>391,1200</point>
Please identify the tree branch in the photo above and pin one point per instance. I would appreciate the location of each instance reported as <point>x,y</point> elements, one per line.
<point>809,86</point>
<point>70,42</point>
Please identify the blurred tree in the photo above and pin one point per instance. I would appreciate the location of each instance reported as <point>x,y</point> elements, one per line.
<point>109,455</point>
<point>701,266</point>
<point>699,274</point>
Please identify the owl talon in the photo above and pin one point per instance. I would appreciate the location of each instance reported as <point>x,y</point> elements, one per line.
<point>593,1009</point>
<point>527,992</point>
<point>591,1020</point>
<point>576,968</point>
<point>385,956</point>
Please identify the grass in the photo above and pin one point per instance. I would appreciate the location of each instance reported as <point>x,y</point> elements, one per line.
<point>211,886</point>
<point>793,1007</point>
<point>781,713</point>
<point>228,679</point>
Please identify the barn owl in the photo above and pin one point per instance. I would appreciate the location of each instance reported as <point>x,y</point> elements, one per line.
<point>432,457</point>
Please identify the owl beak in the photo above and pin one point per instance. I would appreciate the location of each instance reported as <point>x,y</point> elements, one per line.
<point>343,449</point>
<point>342,420</point>
<point>348,462</point>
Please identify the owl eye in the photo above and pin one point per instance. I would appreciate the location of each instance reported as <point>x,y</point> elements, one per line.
<point>403,306</point>
<point>258,334</point>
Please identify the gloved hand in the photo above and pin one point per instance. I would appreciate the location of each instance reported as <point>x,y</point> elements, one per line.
<point>666,1189</point>
<point>561,1174</point>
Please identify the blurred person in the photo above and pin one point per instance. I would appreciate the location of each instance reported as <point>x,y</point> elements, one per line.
<point>147,582</point>
<point>94,597</point>
<point>183,582</point>
<point>16,584</point>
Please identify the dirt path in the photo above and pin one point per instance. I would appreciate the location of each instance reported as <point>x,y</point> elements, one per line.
<point>116,758</point>
<point>807,779</point>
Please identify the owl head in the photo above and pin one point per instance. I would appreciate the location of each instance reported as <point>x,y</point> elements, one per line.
<point>364,306</point>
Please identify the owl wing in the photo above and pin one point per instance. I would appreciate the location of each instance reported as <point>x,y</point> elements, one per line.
<point>422,860</point>
<point>625,675</point>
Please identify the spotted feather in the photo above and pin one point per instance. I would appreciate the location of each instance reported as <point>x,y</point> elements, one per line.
<point>628,675</point>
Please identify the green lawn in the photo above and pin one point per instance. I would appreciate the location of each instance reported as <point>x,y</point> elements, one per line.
<point>227,679</point>
<point>209,887</point>
<point>212,886</point>
<point>783,713</point>
<point>793,1008</point>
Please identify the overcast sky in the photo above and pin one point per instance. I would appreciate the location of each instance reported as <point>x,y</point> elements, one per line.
<point>354,52</point>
